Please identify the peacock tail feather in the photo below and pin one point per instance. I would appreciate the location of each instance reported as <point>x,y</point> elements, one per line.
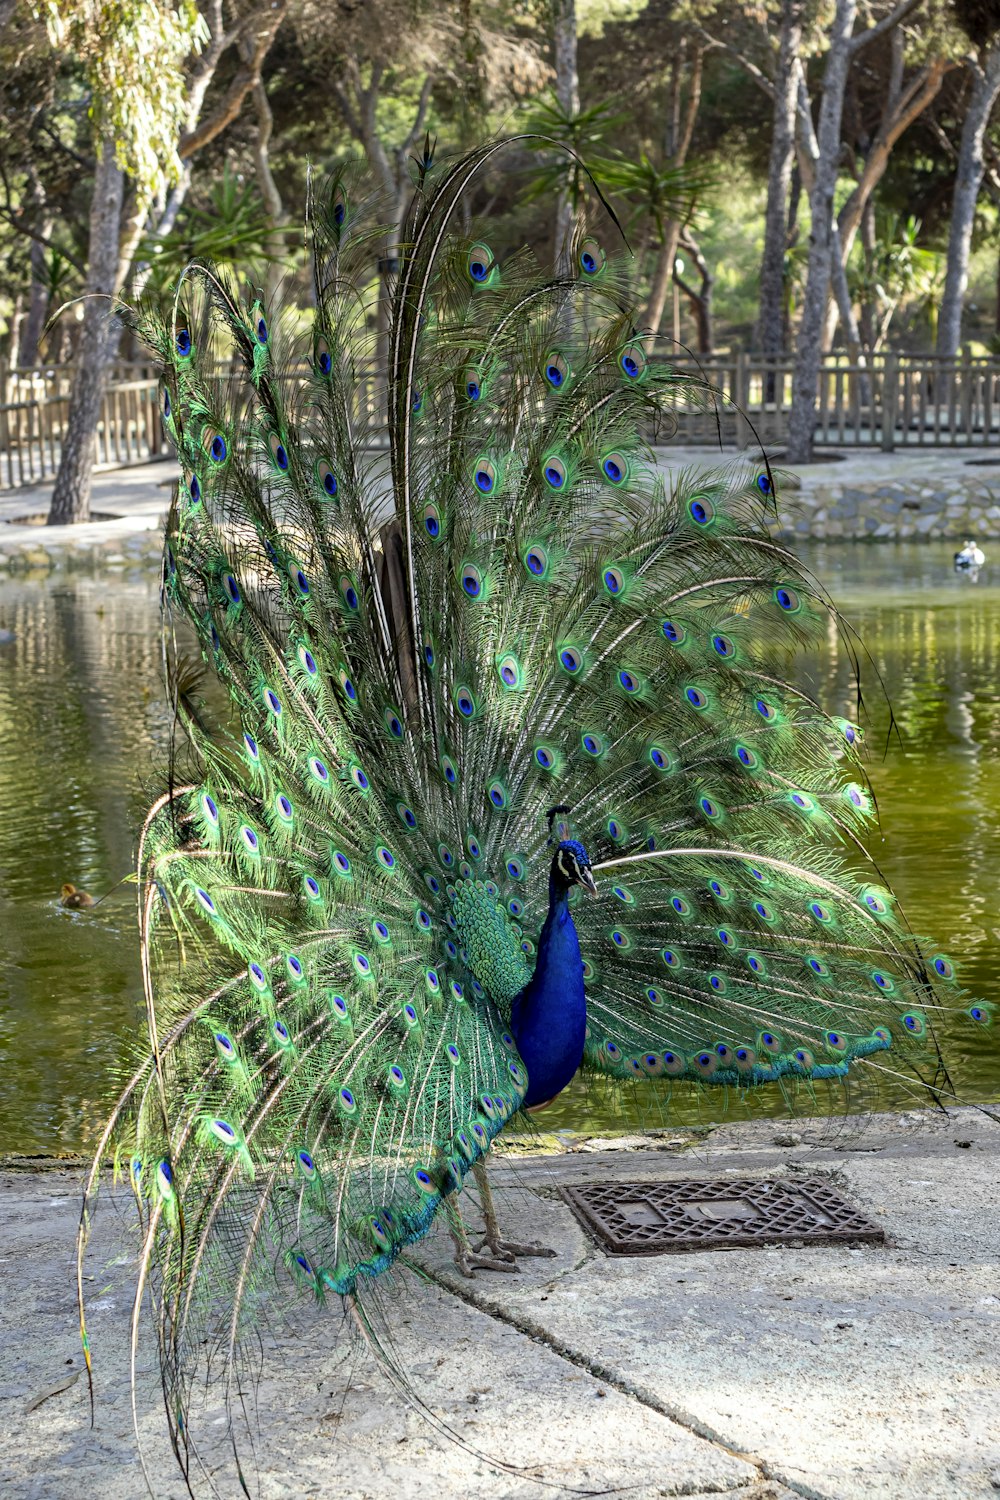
<point>422,649</point>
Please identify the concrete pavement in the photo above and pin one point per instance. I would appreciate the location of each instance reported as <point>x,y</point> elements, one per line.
<point>830,1372</point>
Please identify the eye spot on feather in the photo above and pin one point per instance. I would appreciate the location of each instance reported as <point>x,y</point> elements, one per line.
<point>615,468</point>
<point>943,967</point>
<point>279,453</point>
<point>485,476</point>
<point>205,900</point>
<point>393,723</point>
<point>570,659</point>
<point>182,342</point>
<point>472,580</point>
<point>324,359</point>
<point>497,794</point>
<point>193,485</point>
<point>480,264</point>
<point>515,868</point>
<point>701,510</point>
<point>763,482</point>
<point>166,404</point>
<point>250,840</point>
<point>348,592</point>
<point>756,964</point>
<point>432,522</point>
<point>671,958</point>
<point>509,670</point>
<point>818,967</point>
<point>767,713</point>
<point>273,702</point>
<point>673,632</point>
<point>536,560</point>
<point>341,863</point>
<point>787,598</point>
<point>592,258</point>
<point>696,697</point>
<point>545,757</point>
<point>633,361</point>
<point>215,445</point>
<point>257,976</point>
<point>820,912</point>
<point>614,581</point>
<point>232,588</point>
<point>593,744</point>
<point>629,681</point>
<point>556,371</point>
<point>554,472</point>
<point>327,479</point>
<point>283,808</point>
<point>723,646</point>
<point>747,757</point>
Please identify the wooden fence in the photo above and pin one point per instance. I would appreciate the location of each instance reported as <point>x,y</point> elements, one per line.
<point>34,405</point>
<point>893,401</point>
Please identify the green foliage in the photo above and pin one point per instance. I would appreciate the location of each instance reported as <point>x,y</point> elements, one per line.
<point>133,54</point>
<point>231,229</point>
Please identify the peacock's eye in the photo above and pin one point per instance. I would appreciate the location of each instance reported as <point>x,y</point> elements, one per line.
<point>480,264</point>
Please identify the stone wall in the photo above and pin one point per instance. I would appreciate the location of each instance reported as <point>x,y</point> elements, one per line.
<point>867,495</point>
<point>898,511</point>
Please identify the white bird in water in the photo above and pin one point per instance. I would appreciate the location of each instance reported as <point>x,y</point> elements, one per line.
<point>970,556</point>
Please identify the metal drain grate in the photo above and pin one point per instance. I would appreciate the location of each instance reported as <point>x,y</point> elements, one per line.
<point>653,1218</point>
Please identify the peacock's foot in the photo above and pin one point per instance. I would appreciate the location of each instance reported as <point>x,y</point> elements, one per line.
<point>468,1262</point>
<point>508,1250</point>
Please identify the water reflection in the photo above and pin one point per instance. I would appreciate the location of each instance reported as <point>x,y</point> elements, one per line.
<point>82,725</point>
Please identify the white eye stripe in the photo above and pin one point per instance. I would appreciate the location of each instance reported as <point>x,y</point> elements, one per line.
<point>562,867</point>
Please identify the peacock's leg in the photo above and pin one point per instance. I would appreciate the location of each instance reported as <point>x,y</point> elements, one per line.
<point>467,1260</point>
<point>504,1250</point>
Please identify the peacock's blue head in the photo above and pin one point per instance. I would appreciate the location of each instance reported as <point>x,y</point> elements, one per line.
<point>571,866</point>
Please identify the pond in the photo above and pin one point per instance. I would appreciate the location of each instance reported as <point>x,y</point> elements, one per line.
<point>82,724</point>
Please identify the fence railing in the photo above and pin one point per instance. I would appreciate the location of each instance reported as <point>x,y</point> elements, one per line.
<point>890,401</point>
<point>34,406</point>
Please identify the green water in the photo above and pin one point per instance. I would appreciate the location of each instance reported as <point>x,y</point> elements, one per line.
<point>82,726</point>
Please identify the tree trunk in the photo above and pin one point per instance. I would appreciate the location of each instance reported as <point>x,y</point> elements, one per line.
<point>903,106</point>
<point>38,294</point>
<point>71,494</point>
<point>985,88</point>
<point>822,240</point>
<point>663,275</point>
<point>568,94</point>
<point>700,300</point>
<point>770,331</point>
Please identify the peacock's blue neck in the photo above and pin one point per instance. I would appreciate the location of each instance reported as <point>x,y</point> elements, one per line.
<point>549,1017</point>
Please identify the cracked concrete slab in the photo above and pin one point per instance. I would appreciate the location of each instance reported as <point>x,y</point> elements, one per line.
<point>869,1371</point>
<point>329,1424</point>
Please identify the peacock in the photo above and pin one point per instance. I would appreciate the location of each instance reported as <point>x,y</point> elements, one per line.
<point>501,770</point>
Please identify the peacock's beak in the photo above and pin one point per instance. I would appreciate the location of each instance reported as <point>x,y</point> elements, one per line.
<point>587,880</point>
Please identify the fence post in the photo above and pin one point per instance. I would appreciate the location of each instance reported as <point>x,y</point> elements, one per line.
<point>965,394</point>
<point>741,398</point>
<point>890,401</point>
